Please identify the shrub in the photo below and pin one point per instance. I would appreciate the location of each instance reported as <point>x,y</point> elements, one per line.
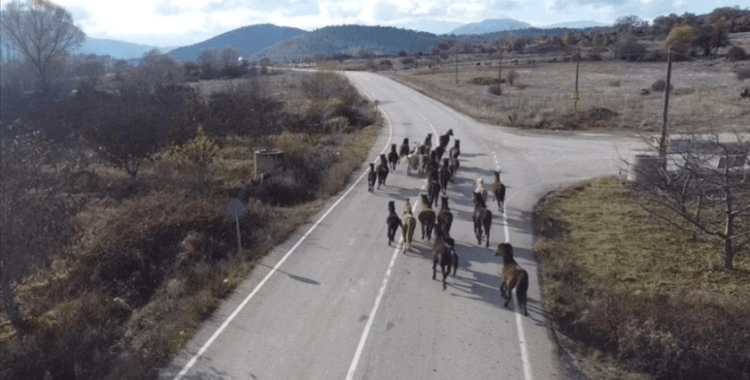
<point>742,73</point>
<point>614,83</point>
<point>652,56</point>
<point>512,76</point>
<point>595,56</point>
<point>628,49</point>
<point>407,60</point>
<point>495,89</point>
<point>661,85</point>
<point>736,53</point>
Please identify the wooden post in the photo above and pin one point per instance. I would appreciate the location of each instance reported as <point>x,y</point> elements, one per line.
<point>663,140</point>
<point>578,62</point>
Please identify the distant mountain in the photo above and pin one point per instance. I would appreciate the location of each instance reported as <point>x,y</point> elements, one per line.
<point>350,40</point>
<point>248,40</point>
<point>490,26</point>
<point>116,49</point>
<point>576,24</point>
<point>428,25</point>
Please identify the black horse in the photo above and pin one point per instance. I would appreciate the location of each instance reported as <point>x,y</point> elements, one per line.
<point>382,170</point>
<point>443,253</point>
<point>393,222</point>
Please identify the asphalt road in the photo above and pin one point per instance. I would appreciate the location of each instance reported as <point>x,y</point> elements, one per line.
<point>342,304</point>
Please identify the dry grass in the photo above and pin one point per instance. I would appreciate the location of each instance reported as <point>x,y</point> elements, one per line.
<point>621,285</point>
<point>706,93</point>
<point>158,253</point>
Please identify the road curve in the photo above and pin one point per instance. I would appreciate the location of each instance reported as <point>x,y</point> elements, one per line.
<point>336,302</point>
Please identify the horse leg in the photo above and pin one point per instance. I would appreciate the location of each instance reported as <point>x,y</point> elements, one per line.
<point>434,264</point>
<point>455,263</point>
<point>487,232</point>
<point>445,275</point>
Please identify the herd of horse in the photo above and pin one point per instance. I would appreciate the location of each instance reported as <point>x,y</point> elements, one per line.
<point>425,160</point>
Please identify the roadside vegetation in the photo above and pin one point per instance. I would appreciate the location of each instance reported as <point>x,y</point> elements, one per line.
<point>635,297</point>
<point>129,225</point>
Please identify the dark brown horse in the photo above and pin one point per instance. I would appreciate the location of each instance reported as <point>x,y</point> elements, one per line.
<point>393,222</point>
<point>443,253</point>
<point>482,219</point>
<point>513,276</point>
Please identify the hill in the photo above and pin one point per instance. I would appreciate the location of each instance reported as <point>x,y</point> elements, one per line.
<point>116,49</point>
<point>577,24</point>
<point>352,40</point>
<point>248,40</point>
<point>490,26</point>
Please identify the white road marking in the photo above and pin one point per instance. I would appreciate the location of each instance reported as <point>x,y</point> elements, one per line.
<point>373,312</point>
<point>527,375</point>
<point>252,294</point>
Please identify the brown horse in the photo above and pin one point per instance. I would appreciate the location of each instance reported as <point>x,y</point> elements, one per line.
<point>513,276</point>
<point>426,217</point>
<point>498,191</point>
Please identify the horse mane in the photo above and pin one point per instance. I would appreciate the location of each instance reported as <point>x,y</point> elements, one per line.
<point>425,202</point>
<point>407,208</point>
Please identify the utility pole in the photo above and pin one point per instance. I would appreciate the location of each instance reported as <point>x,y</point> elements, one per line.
<point>500,71</point>
<point>663,140</point>
<point>456,62</point>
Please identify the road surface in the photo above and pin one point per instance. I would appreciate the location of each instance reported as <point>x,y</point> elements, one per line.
<point>336,302</point>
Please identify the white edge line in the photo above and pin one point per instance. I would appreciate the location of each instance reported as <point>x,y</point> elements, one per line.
<point>373,312</point>
<point>519,322</point>
<point>247,299</point>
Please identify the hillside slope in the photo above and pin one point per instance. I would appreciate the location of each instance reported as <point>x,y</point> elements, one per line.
<point>248,40</point>
<point>351,40</point>
<point>490,26</point>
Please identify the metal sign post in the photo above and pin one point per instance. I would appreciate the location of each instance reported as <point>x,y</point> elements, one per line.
<point>237,209</point>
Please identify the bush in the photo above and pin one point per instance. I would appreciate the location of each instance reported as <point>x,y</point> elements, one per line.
<point>512,77</point>
<point>595,56</point>
<point>652,56</point>
<point>407,60</point>
<point>742,73</point>
<point>736,53</point>
<point>661,85</point>
<point>629,50</point>
<point>495,89</point>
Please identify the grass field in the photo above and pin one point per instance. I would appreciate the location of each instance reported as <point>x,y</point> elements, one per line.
<point>634,298</point>
<point>705,94</point>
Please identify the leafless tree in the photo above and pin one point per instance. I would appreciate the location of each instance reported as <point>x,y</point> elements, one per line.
<point>208,60</point>
<point>42,33</point>
<point>703,187</point>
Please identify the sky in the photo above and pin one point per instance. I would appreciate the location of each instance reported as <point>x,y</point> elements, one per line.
<point>171,23</point>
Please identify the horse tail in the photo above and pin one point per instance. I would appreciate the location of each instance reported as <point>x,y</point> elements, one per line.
<point>455,262</point>
<point>523,287</point>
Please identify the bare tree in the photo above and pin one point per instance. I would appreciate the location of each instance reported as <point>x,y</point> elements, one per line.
<point>703,188</point>
<point>42,33</point>
<point>208,60</point>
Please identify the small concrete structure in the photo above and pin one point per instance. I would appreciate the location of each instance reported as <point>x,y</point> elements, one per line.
<point>645,168</point>
<point>268,161</point>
